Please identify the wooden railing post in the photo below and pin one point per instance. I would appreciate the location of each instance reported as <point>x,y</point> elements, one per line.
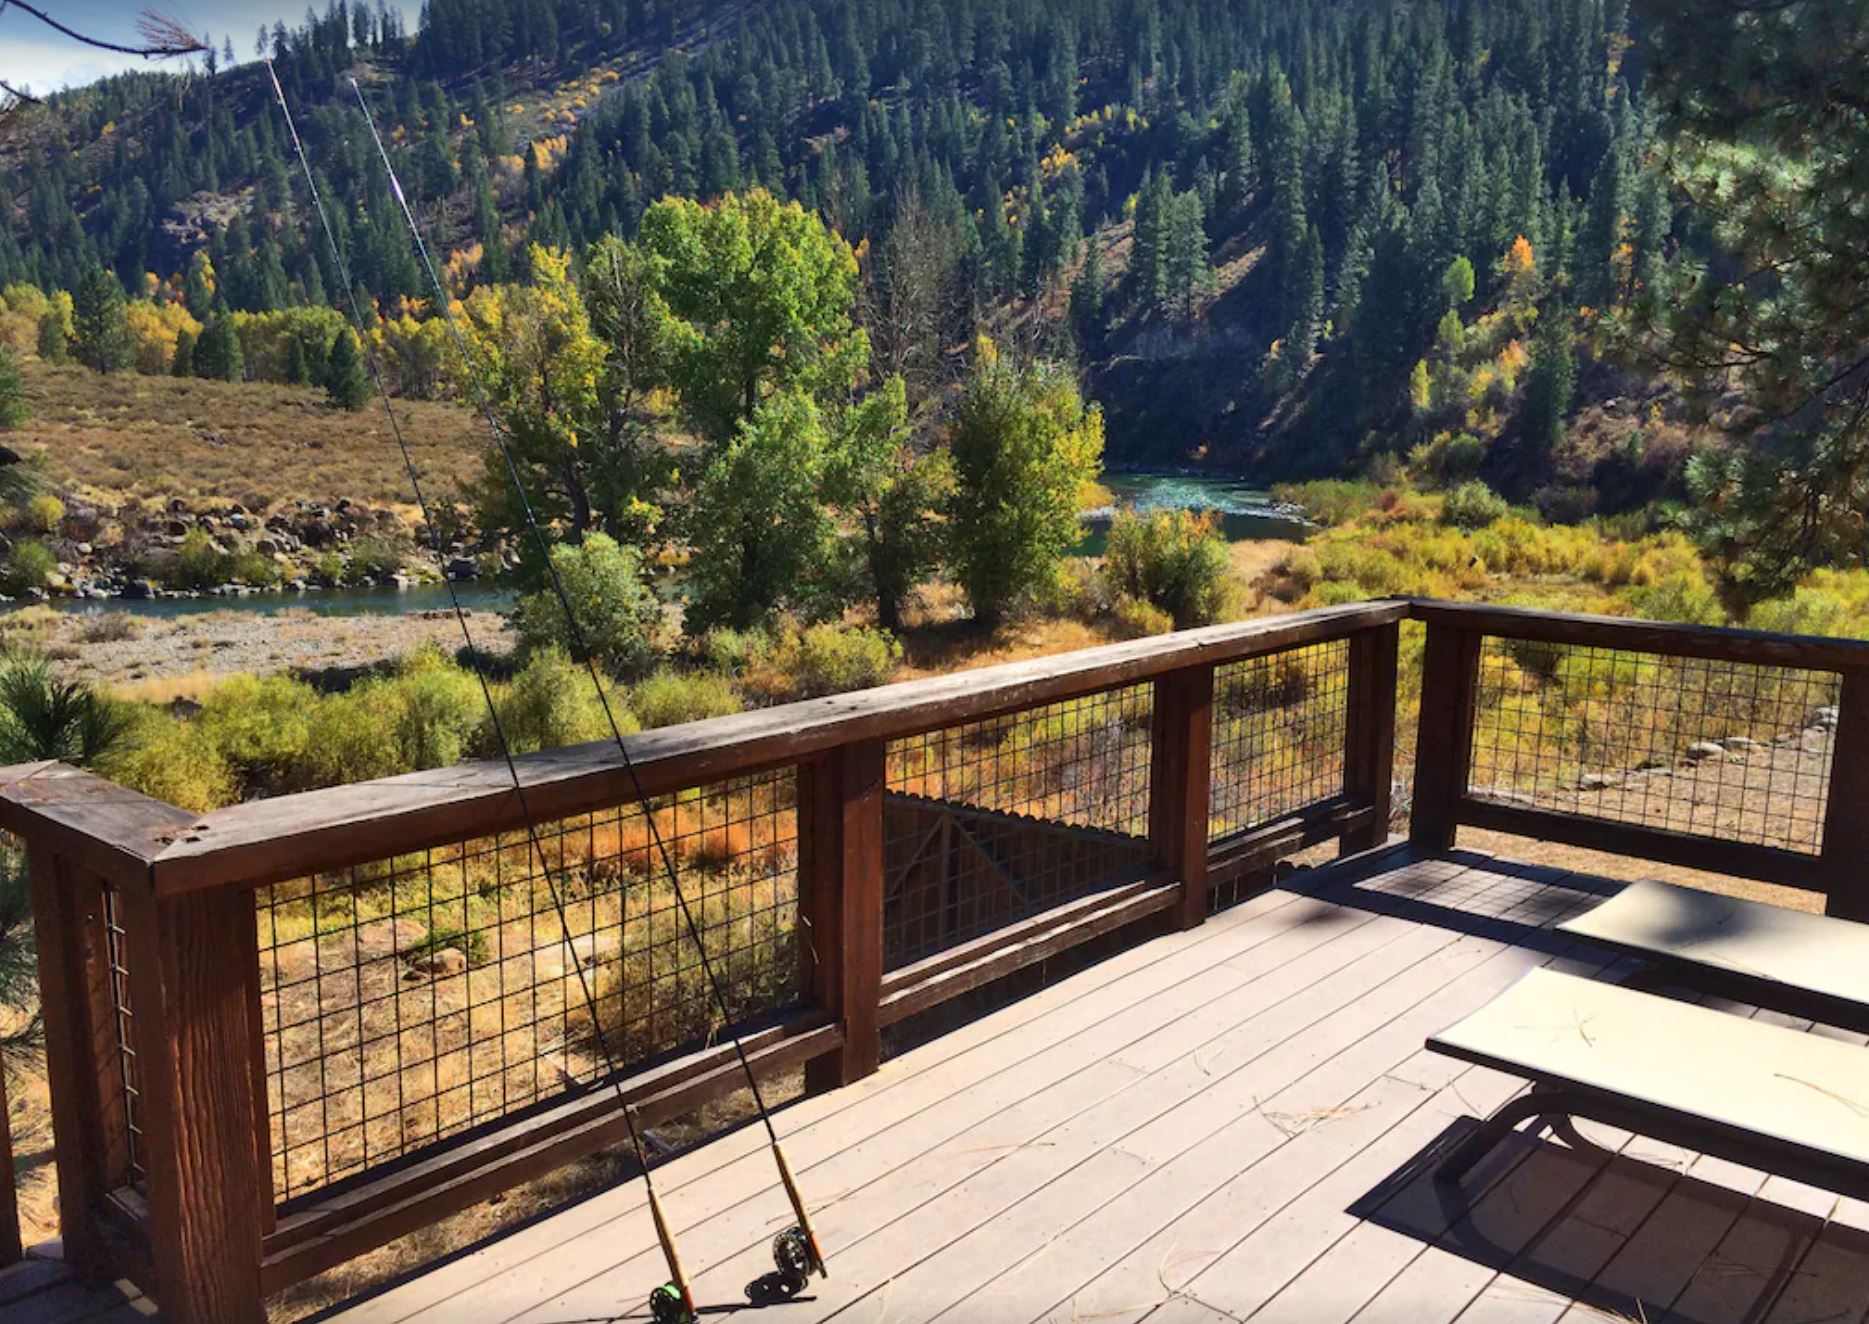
<point>1369,732</point>
<point>194,997</point>
<point>10,1248</point>
<point>1845,860</point>
<point>840,876</point>
<point>1444,737</point>
<point>1180,774</point>
<point>80,1038</point>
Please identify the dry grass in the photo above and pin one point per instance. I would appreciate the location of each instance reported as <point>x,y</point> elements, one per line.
<point>110,440</point>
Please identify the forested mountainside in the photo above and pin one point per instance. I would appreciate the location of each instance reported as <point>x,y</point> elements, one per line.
<point>1282,235</point>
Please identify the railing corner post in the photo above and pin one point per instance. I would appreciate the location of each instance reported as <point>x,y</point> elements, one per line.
<point>195,1002</point>
<point>1180,774</point>
<point>1846,815</point>
<point>840,813</point>
<point>1444,735</point>
<point>1369,733</point>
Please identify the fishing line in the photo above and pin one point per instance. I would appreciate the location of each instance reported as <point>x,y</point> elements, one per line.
<point>812,1253</point>
<point>612,1067</point>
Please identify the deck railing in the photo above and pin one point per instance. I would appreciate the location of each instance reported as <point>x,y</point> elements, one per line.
<point>287,1032</point>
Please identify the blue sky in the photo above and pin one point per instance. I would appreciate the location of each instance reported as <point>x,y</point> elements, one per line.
<point>33,54</point>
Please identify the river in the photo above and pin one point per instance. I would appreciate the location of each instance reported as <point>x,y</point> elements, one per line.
<point>1246,513</point>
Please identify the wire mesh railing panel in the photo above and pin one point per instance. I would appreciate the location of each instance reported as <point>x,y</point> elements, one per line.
<point>416,998</point>
<point>1280,722</point>
<point>993,821</point>
<point>1733,751</point>
<point>122,1076</point>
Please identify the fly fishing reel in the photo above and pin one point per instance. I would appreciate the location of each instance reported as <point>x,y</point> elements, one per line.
<point>791,1254</point>
<point>667,1307</point>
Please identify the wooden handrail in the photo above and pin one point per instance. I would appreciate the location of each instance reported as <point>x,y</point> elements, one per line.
<point>1662,638</point>
<point>274,840</point>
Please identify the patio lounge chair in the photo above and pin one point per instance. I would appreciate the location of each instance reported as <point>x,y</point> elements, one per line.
<point>1801,964</point>
<point>1752,1092</point>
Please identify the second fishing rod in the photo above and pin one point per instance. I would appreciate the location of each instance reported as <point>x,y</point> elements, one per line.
<point>797,1252</point>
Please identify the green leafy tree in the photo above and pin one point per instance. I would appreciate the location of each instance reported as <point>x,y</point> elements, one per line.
<point>761,535</point>
<point>623,285</point>
<point>892,496</point>
<point>1025,446</point>
<point>1765,107</point>
<point>538,360</point>
<point>345,382</point>
<point>101,335</point>
<point>762,296</point>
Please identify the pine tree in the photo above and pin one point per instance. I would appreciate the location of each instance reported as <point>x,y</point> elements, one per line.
<point>217,350</point>
<point>345,382</point>
<point>1149,266</point>
<point>12,392</point>
<point>1551,382</point>
<point>100,334</point>
<point>1087,298</point>
<point>1184,261</point>
<point>54,345</point>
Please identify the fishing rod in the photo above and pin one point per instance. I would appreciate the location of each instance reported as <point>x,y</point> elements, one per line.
<point>796,1251</point>
<point>672,1303</point>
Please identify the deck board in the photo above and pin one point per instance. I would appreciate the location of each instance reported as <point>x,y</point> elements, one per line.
<point>1233,1123</point>
<point>1243,1137</point>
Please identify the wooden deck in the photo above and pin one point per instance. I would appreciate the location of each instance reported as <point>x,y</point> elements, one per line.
<point>1229,1123</point>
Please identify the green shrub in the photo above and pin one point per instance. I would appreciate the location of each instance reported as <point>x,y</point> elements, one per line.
<point>262,728</point>
<point>329,569</point>
<point>1330,501</point>
<point>439,710</point>
<point>375,559</point>
<point>353,737</point>
<point>471,943</point>
<point>1081,592</point>
<point>1472,506</point>
<point>551,702</point>
<point>172,760</point>
<point>1808,610</point>
<point>1173,559</point>
<point>830,659</point>
<point>199,563</point>
<point>45,513</point>
<point>618,613</point>
<point>730,652</point>
<point>28,565</point>
<point>1686,598</point>
<point>670,698</point>
<point>1137,619</point>
<point>1295,575</point>
<point>253,569</point>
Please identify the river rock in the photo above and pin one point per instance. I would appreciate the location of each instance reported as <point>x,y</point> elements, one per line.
<point>1705,749</point>
<point>439,964</point>
<point>462,568</point>
<point>1825,718</point>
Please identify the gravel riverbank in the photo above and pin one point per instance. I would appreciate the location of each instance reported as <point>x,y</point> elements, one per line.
<point>149,656</point>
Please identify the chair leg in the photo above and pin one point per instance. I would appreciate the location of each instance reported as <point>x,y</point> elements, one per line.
<point>1536,1103</point>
